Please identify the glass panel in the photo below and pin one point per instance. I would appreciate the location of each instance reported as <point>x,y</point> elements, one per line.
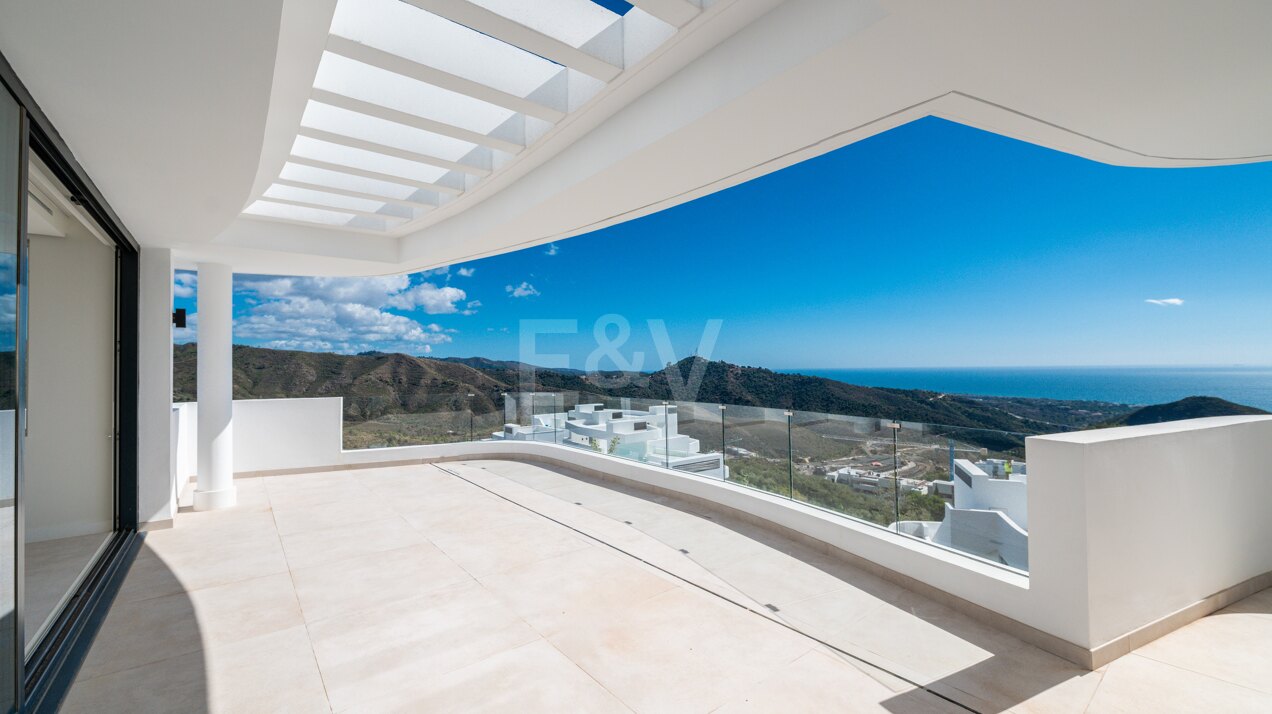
<point>486,416</point>
<point>845,464</point>
<point>639,430</point>
<point>68,453</point>
<point>694,441</point>
<point>756,446</point>
<point>927,457</point>
<point>11,196</point>
<point>984,503</point>
<point>546,419</point>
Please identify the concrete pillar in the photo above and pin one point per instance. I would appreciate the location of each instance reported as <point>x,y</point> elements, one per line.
<point>215,487</point>
<point>155,476</point>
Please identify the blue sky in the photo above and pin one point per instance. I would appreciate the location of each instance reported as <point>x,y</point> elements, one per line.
<point>931,245</point>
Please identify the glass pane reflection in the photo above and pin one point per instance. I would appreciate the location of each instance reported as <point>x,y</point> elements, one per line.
<point>11,195</point>
<point>68,449</point>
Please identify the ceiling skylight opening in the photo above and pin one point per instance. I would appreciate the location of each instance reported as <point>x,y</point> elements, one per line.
<point>348,78</point>
<point>382,131</point>
<point>366,160</point>
<point>348,182</point>
<point>270,209</point>
<point>414,34</point>
<point>334,200</point>
<point>573,22</point>
<point>618,7</point>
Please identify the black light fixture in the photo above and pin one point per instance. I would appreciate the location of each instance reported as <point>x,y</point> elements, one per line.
<point>179,317</point>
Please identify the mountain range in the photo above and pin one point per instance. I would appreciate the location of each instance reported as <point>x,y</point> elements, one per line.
<point>378,384</point>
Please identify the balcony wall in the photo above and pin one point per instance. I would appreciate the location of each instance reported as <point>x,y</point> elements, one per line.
<point>1160,521</point>
<point>1134,531</point>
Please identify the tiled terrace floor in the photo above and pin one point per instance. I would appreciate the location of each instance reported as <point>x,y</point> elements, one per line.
<point>512,587</point>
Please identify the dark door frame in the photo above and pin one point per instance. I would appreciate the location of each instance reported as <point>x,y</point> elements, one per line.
<point>42,680</point>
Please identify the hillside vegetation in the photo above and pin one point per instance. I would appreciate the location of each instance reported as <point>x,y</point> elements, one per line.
<point>375,385</point>
<point>397,399</point>
<point>1186,408</point>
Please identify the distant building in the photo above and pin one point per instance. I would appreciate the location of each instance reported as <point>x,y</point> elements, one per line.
<point>986,515</point>
<point>867,481</point>
<point>650,436</point>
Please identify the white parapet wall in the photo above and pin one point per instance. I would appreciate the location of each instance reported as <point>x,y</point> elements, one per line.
<point>1133,531</point>
<point>271,435</point>
<point>1148,527</point>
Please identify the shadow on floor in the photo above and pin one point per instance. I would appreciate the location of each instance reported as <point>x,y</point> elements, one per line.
<point>148,655</point>
<point>1008,673</point>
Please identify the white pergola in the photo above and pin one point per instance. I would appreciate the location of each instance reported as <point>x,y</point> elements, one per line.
<point>415,103</point>
<point>359,137</point>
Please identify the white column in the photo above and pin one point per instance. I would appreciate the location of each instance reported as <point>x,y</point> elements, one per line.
<point>155,475</point>
<point>216,389</point>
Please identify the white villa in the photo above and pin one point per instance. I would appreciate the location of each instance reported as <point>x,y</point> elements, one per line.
<point>987,514</point>
<point>651,436</point>
<point>867,481</point>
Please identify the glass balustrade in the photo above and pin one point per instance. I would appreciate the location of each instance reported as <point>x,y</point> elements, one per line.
<point>959,488</point>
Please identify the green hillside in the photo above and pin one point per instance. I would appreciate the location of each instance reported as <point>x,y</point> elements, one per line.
<point>1187,408</point>
<point>375,385</point>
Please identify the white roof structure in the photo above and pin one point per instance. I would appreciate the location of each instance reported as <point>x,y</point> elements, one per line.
<point>366,137</point>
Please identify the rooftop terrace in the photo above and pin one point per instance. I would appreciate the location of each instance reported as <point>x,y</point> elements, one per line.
<point>486,585</point>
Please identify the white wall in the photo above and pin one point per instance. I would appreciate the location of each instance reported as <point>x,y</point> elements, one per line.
<point>68,469</point>
<point>274,434</point>
<point>269,435</point>
<point>155,500</point>
<point>185,436</point>
<point>1157,517</point>
<point>985,492</point>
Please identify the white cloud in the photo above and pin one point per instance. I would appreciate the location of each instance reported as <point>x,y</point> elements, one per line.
<point>466,272</point>
<point>374,292</point>
<point>1165,301</point>
<point>339,327</point>
<point>343,314</point>
<point>523,290</point>
<point>189,333</point>
<point>433,300</point>
<point>553,249</point>
<point>184,284</point>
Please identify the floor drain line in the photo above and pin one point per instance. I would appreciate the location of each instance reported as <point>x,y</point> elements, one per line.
<point>717,595</point>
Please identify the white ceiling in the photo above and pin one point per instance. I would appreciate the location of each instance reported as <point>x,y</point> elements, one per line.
<point>163,102</point>
<point>692,103</point>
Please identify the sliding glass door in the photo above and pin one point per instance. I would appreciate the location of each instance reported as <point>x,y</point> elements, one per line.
<point>68,419</point>
<point>11,195</point>
<point>68,444</point>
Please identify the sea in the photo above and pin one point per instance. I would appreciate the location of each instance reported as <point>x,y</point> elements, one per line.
<point>1251,386</point>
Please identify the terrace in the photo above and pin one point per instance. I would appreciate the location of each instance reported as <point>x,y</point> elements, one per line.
<point>503,584</point>
<point>240,555</point>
